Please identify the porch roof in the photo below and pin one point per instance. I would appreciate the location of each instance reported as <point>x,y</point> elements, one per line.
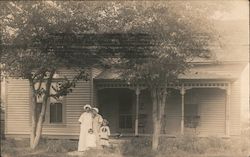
<point>200,71</point>
<point>114,74</point>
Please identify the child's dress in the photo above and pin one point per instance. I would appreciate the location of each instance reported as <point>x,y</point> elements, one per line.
<point>104,136</point>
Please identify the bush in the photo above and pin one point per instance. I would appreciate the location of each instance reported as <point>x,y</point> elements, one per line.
<point>180,146</point>
<point>12,147</point>
<point>7,146</point>
<point>193,144</point>
<point>186,143</point>
<point>139,147</point>
<point>60,146</point>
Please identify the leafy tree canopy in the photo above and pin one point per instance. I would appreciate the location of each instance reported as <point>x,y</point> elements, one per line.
<point>152,41</point>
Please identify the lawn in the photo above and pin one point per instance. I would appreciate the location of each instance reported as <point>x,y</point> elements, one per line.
<point>186,146</point>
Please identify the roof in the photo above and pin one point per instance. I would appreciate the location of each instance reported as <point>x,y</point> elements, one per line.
<point>224,71</point>
<point>109,74</point>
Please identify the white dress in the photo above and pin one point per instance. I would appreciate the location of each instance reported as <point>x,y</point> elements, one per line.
<point>97,121</point>
<point>86,139</point>
<point>104,136</point>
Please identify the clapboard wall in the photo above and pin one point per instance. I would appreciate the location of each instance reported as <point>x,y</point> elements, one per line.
<point>17,114</point>
<point>18,97</point>
<point>211,109</point>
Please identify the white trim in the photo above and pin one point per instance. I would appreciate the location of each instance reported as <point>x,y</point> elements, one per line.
<point>182,91</point>
<point>6,107</point>
<point>227,110</point>
<point>137,92</point>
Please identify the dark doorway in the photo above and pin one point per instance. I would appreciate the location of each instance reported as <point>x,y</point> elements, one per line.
<point>116,105</point>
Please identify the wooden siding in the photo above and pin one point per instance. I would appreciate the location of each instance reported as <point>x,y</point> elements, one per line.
<point>17,108</point>
<point>235,109</point>
<point>211,109</point>
<point>212,112</point>
<point>18,111</point>
<point>74,103</point>
<point>245,117</point>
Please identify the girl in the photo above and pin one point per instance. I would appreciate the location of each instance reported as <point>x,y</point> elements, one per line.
<point>104,134</point>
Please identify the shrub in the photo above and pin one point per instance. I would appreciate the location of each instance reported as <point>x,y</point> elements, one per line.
<point>139,147</point>
<point>218,144</point>
<point>7,146</point>
<point>59,146</point>
<point>11,147</point>
<point>192,144</point>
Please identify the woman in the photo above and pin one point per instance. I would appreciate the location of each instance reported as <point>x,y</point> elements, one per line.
<point>97,121</point>
<point>86,130</point>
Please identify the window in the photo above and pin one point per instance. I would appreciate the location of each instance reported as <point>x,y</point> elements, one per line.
<point>191,115</point>
<point>56,112</point>
<point>56,107</point>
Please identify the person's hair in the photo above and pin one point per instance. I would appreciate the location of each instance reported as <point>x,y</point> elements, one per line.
<point>87,109</point>
<point>106,122</point>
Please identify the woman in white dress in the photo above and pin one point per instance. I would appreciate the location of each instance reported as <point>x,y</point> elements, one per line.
<point>86,139</point>
<point>97,122</point>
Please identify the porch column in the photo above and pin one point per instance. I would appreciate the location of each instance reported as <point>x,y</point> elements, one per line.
<point>227,110</point>
<point>137,92</point>
<point>182,108</point>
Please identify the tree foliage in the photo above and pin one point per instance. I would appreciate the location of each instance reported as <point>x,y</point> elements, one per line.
<point>152,42</point>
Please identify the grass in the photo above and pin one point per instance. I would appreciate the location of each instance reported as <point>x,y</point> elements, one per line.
<point>183,146</point>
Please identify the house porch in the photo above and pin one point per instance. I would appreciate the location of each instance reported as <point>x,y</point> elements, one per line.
<point>200,107</point>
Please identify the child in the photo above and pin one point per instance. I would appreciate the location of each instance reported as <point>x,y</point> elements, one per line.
<point>104,134</point>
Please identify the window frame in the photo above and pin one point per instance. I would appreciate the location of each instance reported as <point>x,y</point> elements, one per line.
<point>52,100</point>
<point>47,120</point>
<point>61,114</point>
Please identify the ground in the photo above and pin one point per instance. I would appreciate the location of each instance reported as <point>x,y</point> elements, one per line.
<point>188,146</point>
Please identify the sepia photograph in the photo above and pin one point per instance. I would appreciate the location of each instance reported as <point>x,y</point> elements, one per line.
<point>124,78</point>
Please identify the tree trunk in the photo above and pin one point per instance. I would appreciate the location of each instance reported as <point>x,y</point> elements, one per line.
<point>37,125</point>
<point>33,114</point>
<point>159,102</point>
<point>156,134</point>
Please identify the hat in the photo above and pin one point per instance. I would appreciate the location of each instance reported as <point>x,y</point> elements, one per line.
<point>96,109</point>
<point>86,106</point>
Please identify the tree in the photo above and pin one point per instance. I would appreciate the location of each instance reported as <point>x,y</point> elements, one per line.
<point>178,38</point>
<point>38,38</point>
<point>36,44</point>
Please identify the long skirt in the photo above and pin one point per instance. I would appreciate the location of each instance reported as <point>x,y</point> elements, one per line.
<point>86,140</point>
